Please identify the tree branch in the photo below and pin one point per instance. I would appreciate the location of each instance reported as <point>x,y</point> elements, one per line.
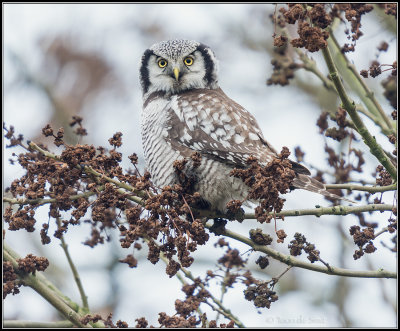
<point>377,108</point>
<point>43,201</point>
<point>138,196</point>
<point>291,261</point>
<point>37,325</point>
<point>47,293</point>
<point>371,189</point>
<point>334,210</point>
<point>350,107</point>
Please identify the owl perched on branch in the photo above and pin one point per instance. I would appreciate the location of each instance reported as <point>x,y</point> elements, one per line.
<point>185,111</point>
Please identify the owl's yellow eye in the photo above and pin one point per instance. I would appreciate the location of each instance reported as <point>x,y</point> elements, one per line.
<point>162,63</point>
<point>188,61</point>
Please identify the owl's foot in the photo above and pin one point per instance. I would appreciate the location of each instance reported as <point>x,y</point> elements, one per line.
<point>218,228</point>
<point>237,215</point>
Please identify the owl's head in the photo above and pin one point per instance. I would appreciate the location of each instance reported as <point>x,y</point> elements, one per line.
<point>175,66</point>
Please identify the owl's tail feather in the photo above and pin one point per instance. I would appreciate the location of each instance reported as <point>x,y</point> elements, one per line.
<point>310,184</point>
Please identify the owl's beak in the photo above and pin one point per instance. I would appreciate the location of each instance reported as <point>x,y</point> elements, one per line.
<point>176,73</point>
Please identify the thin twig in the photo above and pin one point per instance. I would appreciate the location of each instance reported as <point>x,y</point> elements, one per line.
<point>223,290</point>
<point>326,264</point>
<point>222,312</point>
<point>385,229</point>
<point>226,312</point>
<point>311,66</point>
<point>74,270</point>
<point>275,280</point>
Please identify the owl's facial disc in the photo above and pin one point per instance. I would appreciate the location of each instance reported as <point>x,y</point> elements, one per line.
<point>177,75</point>
<point>176,66</point>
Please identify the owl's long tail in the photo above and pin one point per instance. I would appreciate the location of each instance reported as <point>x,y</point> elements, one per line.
<point>310,184</point>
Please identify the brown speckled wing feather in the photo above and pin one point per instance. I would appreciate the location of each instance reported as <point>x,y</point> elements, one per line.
<point>209,122</point>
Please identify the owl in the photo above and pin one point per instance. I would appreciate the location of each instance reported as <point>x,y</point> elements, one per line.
<point>185,111</point>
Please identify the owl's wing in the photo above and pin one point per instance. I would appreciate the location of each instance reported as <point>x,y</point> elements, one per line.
<point>211,123</point>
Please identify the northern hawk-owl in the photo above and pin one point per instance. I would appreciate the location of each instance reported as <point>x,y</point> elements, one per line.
<point>185,111</point>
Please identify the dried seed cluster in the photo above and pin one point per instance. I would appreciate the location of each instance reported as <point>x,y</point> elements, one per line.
<point>376,68</point>
<point>341,133</point>
<point>363,239</point>
<point>267,183</point>
<point>80,181</point>
<point>90,185</point>
<point>108,323</point>
<point>260,238</point>
<point>283,66</point>
<point>353,13</point>
<point>384,177</point>
<point>342,169</point>
<point>230,270</point>
<point>312,22</point>
<point>300,243</point>
<point>261,294</point>
<point>262,261</point>
<point>10,283</point>
<point>313,19</point>
<point>29,264</point>
<point>390,93</point>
